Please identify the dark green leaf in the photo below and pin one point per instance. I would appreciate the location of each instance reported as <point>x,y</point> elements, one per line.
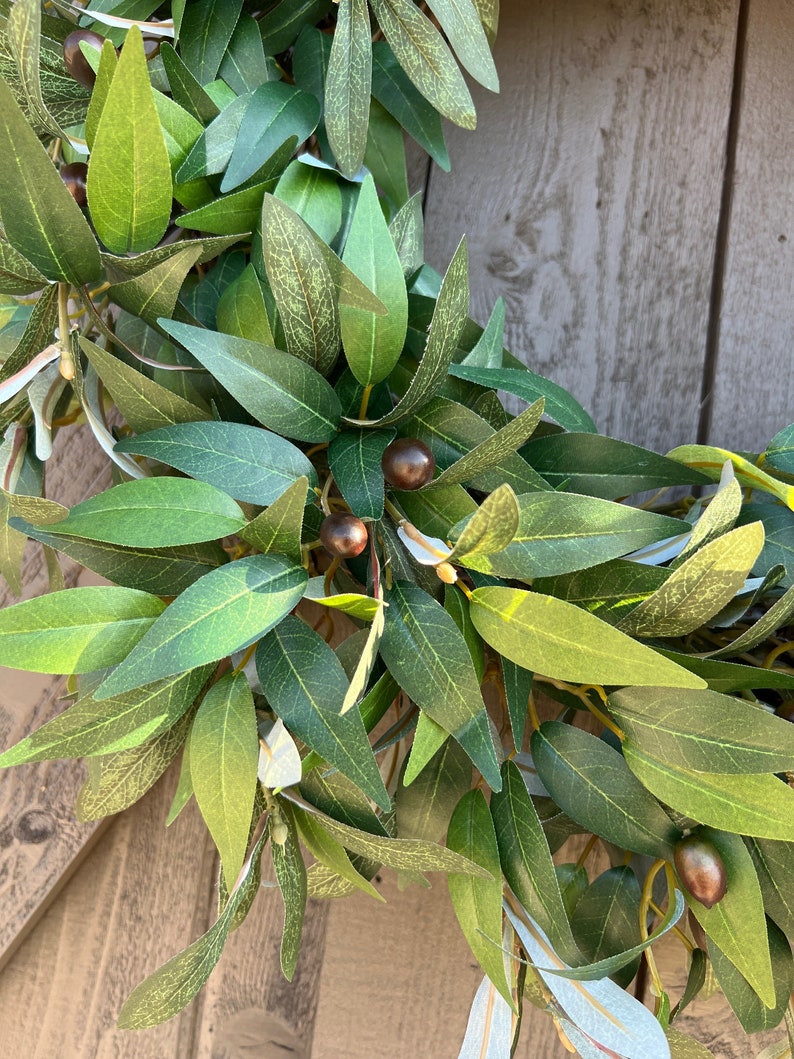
<point>385,155</point>
<point>517,683</point>
<point>462,26</point>
<point>278,527</point>
<point>394,90</point>
<point>425,805</point>
<point>491,452</point>
<point>778,615</point>
<point>488,351</point>
<point>207,28</point>
<point>291,876</point>
<point>282,24</point>
<point>730,676</point>
<point>17,275</point>
<point>354,459</point>
<point>185,88</point>
<point>456,604</point>
<point>408,234</point>
<point>211,152</point>
<point>607,589</point>
<point>607,918</point>
<point>774,863</point>
<point>753,1014</point>
<point>780,451</point>
<point>244,66</point>
<point>560,406</point>
<point>229,214</point>
<point>348,85</point>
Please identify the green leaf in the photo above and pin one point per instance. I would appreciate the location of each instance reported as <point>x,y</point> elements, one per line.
<point>526,860</point>
<point>155,293</point>
<point>490,529</point>
<point>207,28</point>
<point>602,466</point>
<point>373,344</point>
<point>277,115</point>
<point>429,738</point>
<point>229,214</point>
<point>325,848</point>
<point>559,406</point>
<point>244,66</point>
<point>154,512</point>
<point>422,53</point>
<point>354,459</point>
<point>75,631</point>
<point>17,275</point>
<point>425,806</point>
<point>348,85</point>
<point>211,152</point>
<point>284,393</point>
<point>278,527</point>
<point>282,24</point>
<point>395,92</point>
<point>291,877</point>
<point>23,31</point>
<point>607,589</point>
<point>736,923</point>
<point>700,587</point>
<point>456,604</point>
<point>435,511</point>
<point>385,155</point>
<point>488,351</point>
<point>517,683</point>
<point>314,194</point>
<point>129,175</point>
<point>172,987</point>
<point>750,1010</point>
<point>426,653</point>
<point>145,404</point>
<point>222,612</point>
<point>224,757</point>
<point>185,89</point>
<point>755,805</point>
<point>730,676</point>
<point>606,921</point>
<point>462,26</point>
<point>478,902</point>
<point>710,461</point>
<point>242,310</point>
<point>780,451</point>
<point>305,685</point>
<point>493,450</point>
<point>592,784</point>
<point>719,517</point>
<point>89,728</point>
<point>408,235</point>
<point>40,218</point>
<point>704,731</point>
<point>246,462</point>
<point>774,863</point>
<point>184,788</point>
<point>559,640</point>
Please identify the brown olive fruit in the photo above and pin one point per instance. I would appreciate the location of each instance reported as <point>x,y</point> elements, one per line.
<point>73,175</point>
<point>408,463</point>
<point>786,710</point>
<point>344,536</point>
<point>76,62</point>
<point>700,869</point>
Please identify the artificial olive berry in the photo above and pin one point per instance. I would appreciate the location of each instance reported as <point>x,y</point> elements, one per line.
<point>700,869</point>
<point>344,536</point>
<point>408,463</point>
<point>74,175</point>
<point>76,62</point>
<point>786,710</point>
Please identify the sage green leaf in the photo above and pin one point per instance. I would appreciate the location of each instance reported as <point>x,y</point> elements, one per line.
<point>526,860</point>
<point>314,194</point>
<point>305,685</point>
<point>366,662</point>
<point>145,404</point>
<point>429,738</point>
<point>325,848</point>
<point>172,987</point>
<point>129,183</point>
<point>354,459</point>
<point>155,293</point>
<point>396,93</point>
<point>17,275</point>
<point>561,532</point>
<point>606,921</point>
<point>456,604</point>
<point>493,450</point>
<point>348,84</point>
<point>224,758</point>
<point>291,877</point>
<point>703,730</point>
<point>211,152</point>
<point>408,235</point>
<point>184,788</point>
<point>736,923</point>
<point>517,684</point>
<point>90,728</point>
<point>424,806</point>
<point>12,550</point>
<point>607,589</point>
<point>490,529</point>
<point>40,219</point>
<point>730,676</point>
<point>422,53</point>
<point>757,805</point>
<point>449,319</point>
<point>116,781</point>
<point>753,1014</point>
<point>224,611</point>
<point>700,587</point>
<point>488,350</point>
<point>242,310</point>
<point>488,10</point>
<point>230,214</point>
<point>559,405</point>
<point>426,653</point>
<point>592,784</point>
<point>278,527</point>
<point>75,631</point>
<point>185,89</point>
<point>718,518</point>
<point>246,462</point>
<point>244,66</point>
<point>435,511</point>
<point>462,26</point>
<point>277,115</point>
<point>780,451</point>
<point>602,466</point>
<point>385,156</point>
<point>373,343</point>
<point>154,512</point>
<point>282,24</point>
<point>478,902</point>
<point>281,391</point>
<point>774,864</point>
<point>207,28</point>
<point>773,619</point>
<point>24,35</point>
<point>336,795</point>
<point>402,854</point>
<point>559,640</point>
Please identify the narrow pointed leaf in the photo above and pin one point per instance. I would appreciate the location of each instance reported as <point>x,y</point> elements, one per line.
<point>710,461</point>
<point>207,27</point>
<point>278,527</point>
<point>354,459</point>
<point>489,1030</point>
<point>490,529</point>
<point>185,88</point>
<point>774,863</point>
<point>17,274</point>
<point>748,1007</point>
<point>155,292</point>
<point>559,406</point>
<point>407,232</point>
<point>396,93</point>
<point>490,453</point>
<point>291,876</point>
<point>328,851</point>
<point>487,353</point>
<point>464,31</point>
<point>211,152</point>
<point>348,84</point>
<point>424,806</point>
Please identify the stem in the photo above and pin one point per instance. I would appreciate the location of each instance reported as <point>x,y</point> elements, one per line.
<point>362,411</point>
<point>645,904</point>
<point>66,365</point>
<point>588,849</point>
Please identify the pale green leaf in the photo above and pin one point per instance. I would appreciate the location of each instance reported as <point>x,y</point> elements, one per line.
<point>461,23</point>
<point>278,527</point>
<point>348,84</point>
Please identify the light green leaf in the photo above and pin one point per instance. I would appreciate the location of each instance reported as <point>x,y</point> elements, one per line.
<point>461,23</point>
<point>429,738</point>
<point>23,33</point>
<point>278,527</point>
<point>748,1007</point>
<point>75,631</point>
<point>773,619</point>
<point>408,235</point>
<point>354,459</point>
<point>328,851</point>
<point>155,292</point>
<point>224,758</point>
<point>704,731</point>
<point>40,218</point>
<point>229,214</point>
<point>488,351</point>
<point>222,612</point>
<point>557,639</point>
<point>315,195</point>
<point>184,788</point>
<point>718,518</point>
<point>366,663</point>
<point>490,529</point>
<point>242,311</point>
<point>710,461</point>
<point>291,876</point>
<point>129,175</point>
<point>761,806</point>
<point>493,450</point>
<point>700,587</point>
<point>348,84</point>
<point>560,406</point>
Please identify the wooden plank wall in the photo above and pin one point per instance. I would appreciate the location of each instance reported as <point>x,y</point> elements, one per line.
<point>636,214</point>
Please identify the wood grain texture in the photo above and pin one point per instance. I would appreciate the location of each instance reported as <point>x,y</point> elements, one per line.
<point>753,394</point>
<point>590,194</point>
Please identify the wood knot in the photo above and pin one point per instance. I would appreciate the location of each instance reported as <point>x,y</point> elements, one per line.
<point>35,826</point>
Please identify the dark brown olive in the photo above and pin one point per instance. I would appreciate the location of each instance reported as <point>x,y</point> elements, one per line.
<point>786,710</point>
<point>408,463</point>
<point>73,175</point>
<point>700,869</point>
<point>343,535</point>
<point>76,62</point>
